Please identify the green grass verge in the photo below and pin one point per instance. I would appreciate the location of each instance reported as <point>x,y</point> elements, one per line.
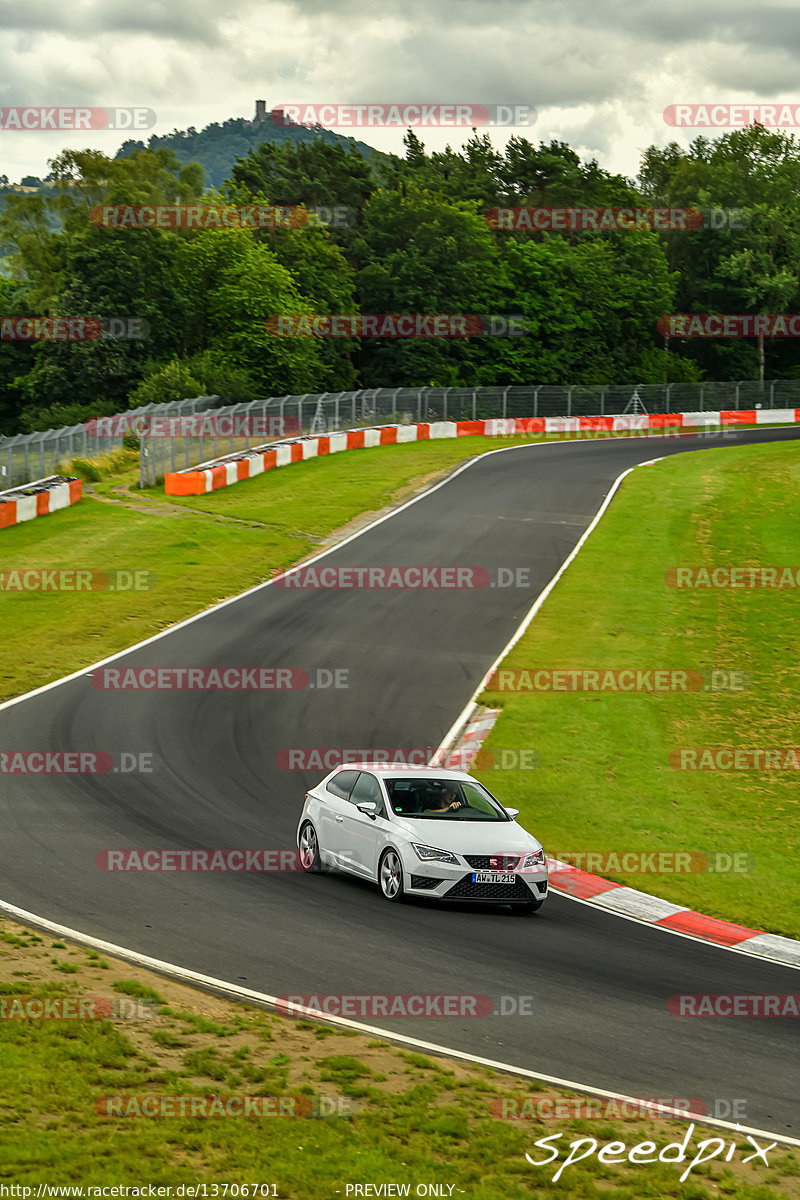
<point>201,549</point>
<point>605,783</point>
<point>413,1119</point>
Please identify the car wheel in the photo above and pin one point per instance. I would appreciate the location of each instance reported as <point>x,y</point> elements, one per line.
<point>390,875</point>
<point>525,910</point>
<point>309,849</point>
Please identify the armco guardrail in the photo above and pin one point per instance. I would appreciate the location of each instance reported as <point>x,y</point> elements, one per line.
<point>232,468</point>
<point>38,499</point>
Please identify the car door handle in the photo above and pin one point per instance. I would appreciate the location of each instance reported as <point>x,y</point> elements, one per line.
<point>339,818</point>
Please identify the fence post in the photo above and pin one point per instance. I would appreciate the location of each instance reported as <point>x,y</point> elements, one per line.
<point>772,393</point>
<point>737,396</point>
<point>702,397</point>
<point>474,402</point>
<point>505,402</point>
<point>569,400</point>
<point>444,414</point>
<point>536,400</point>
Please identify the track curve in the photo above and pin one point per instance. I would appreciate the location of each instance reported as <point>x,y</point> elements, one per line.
<point>414,659</point>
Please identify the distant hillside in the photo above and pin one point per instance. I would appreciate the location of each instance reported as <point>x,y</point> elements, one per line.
<point>217,146</point>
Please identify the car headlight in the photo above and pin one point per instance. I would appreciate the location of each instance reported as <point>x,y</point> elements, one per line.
<point>432,854</point>
<point>537,859</point>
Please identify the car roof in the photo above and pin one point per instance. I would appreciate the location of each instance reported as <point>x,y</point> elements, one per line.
<point>400,770</point>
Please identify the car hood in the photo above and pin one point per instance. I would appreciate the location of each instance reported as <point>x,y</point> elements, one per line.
<point>470,837</point>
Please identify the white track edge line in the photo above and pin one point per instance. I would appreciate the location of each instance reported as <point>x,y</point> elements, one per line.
<point>184,975</point>
<point>472,705</point>
<point>242,993</point>
<point>46,687</point>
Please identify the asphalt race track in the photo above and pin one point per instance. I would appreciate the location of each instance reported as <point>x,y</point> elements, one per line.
<point>600,983</point>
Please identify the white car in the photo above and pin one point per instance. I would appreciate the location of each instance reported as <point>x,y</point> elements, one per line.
<point>421,832</point>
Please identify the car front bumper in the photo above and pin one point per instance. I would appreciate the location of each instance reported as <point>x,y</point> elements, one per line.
<point>429,879</point>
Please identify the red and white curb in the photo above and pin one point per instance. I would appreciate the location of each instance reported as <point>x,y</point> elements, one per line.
<point>38,499</point>
<point>616,897</point>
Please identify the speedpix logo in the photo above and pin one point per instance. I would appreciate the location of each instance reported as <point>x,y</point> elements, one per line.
<point>643,1152</point>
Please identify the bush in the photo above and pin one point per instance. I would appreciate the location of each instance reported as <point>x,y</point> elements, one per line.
<point>202,375</point>
<point>91,470</point>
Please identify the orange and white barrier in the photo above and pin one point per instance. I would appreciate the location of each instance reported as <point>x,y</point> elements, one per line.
<point>231,469</point>
<point>38,499</point>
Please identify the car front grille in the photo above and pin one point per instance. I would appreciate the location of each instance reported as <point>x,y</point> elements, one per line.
<point>493,862</point>
<point>465,889</point>
<point>423,881</point>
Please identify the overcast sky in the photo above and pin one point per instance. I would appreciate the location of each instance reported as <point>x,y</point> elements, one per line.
<point>598,75</point>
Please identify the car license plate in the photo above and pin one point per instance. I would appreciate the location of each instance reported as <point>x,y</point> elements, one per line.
<point>492,877</point>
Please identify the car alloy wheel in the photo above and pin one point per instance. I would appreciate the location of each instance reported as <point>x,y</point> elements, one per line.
<point>390,874</point>
<point>309,849</point>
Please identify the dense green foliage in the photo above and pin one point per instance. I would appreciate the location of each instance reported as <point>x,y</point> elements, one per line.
<point>414,235</point>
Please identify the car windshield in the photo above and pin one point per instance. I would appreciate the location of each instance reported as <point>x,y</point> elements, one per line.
<point>431,799</point>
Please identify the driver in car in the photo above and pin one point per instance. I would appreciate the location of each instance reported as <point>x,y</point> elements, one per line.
<point>446,800</point>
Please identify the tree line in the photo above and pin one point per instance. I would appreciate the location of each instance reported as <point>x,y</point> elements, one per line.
<point>418,237</point>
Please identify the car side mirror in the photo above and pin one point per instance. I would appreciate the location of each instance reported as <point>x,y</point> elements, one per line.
<point>513,813</point>
<point>368,807</point>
